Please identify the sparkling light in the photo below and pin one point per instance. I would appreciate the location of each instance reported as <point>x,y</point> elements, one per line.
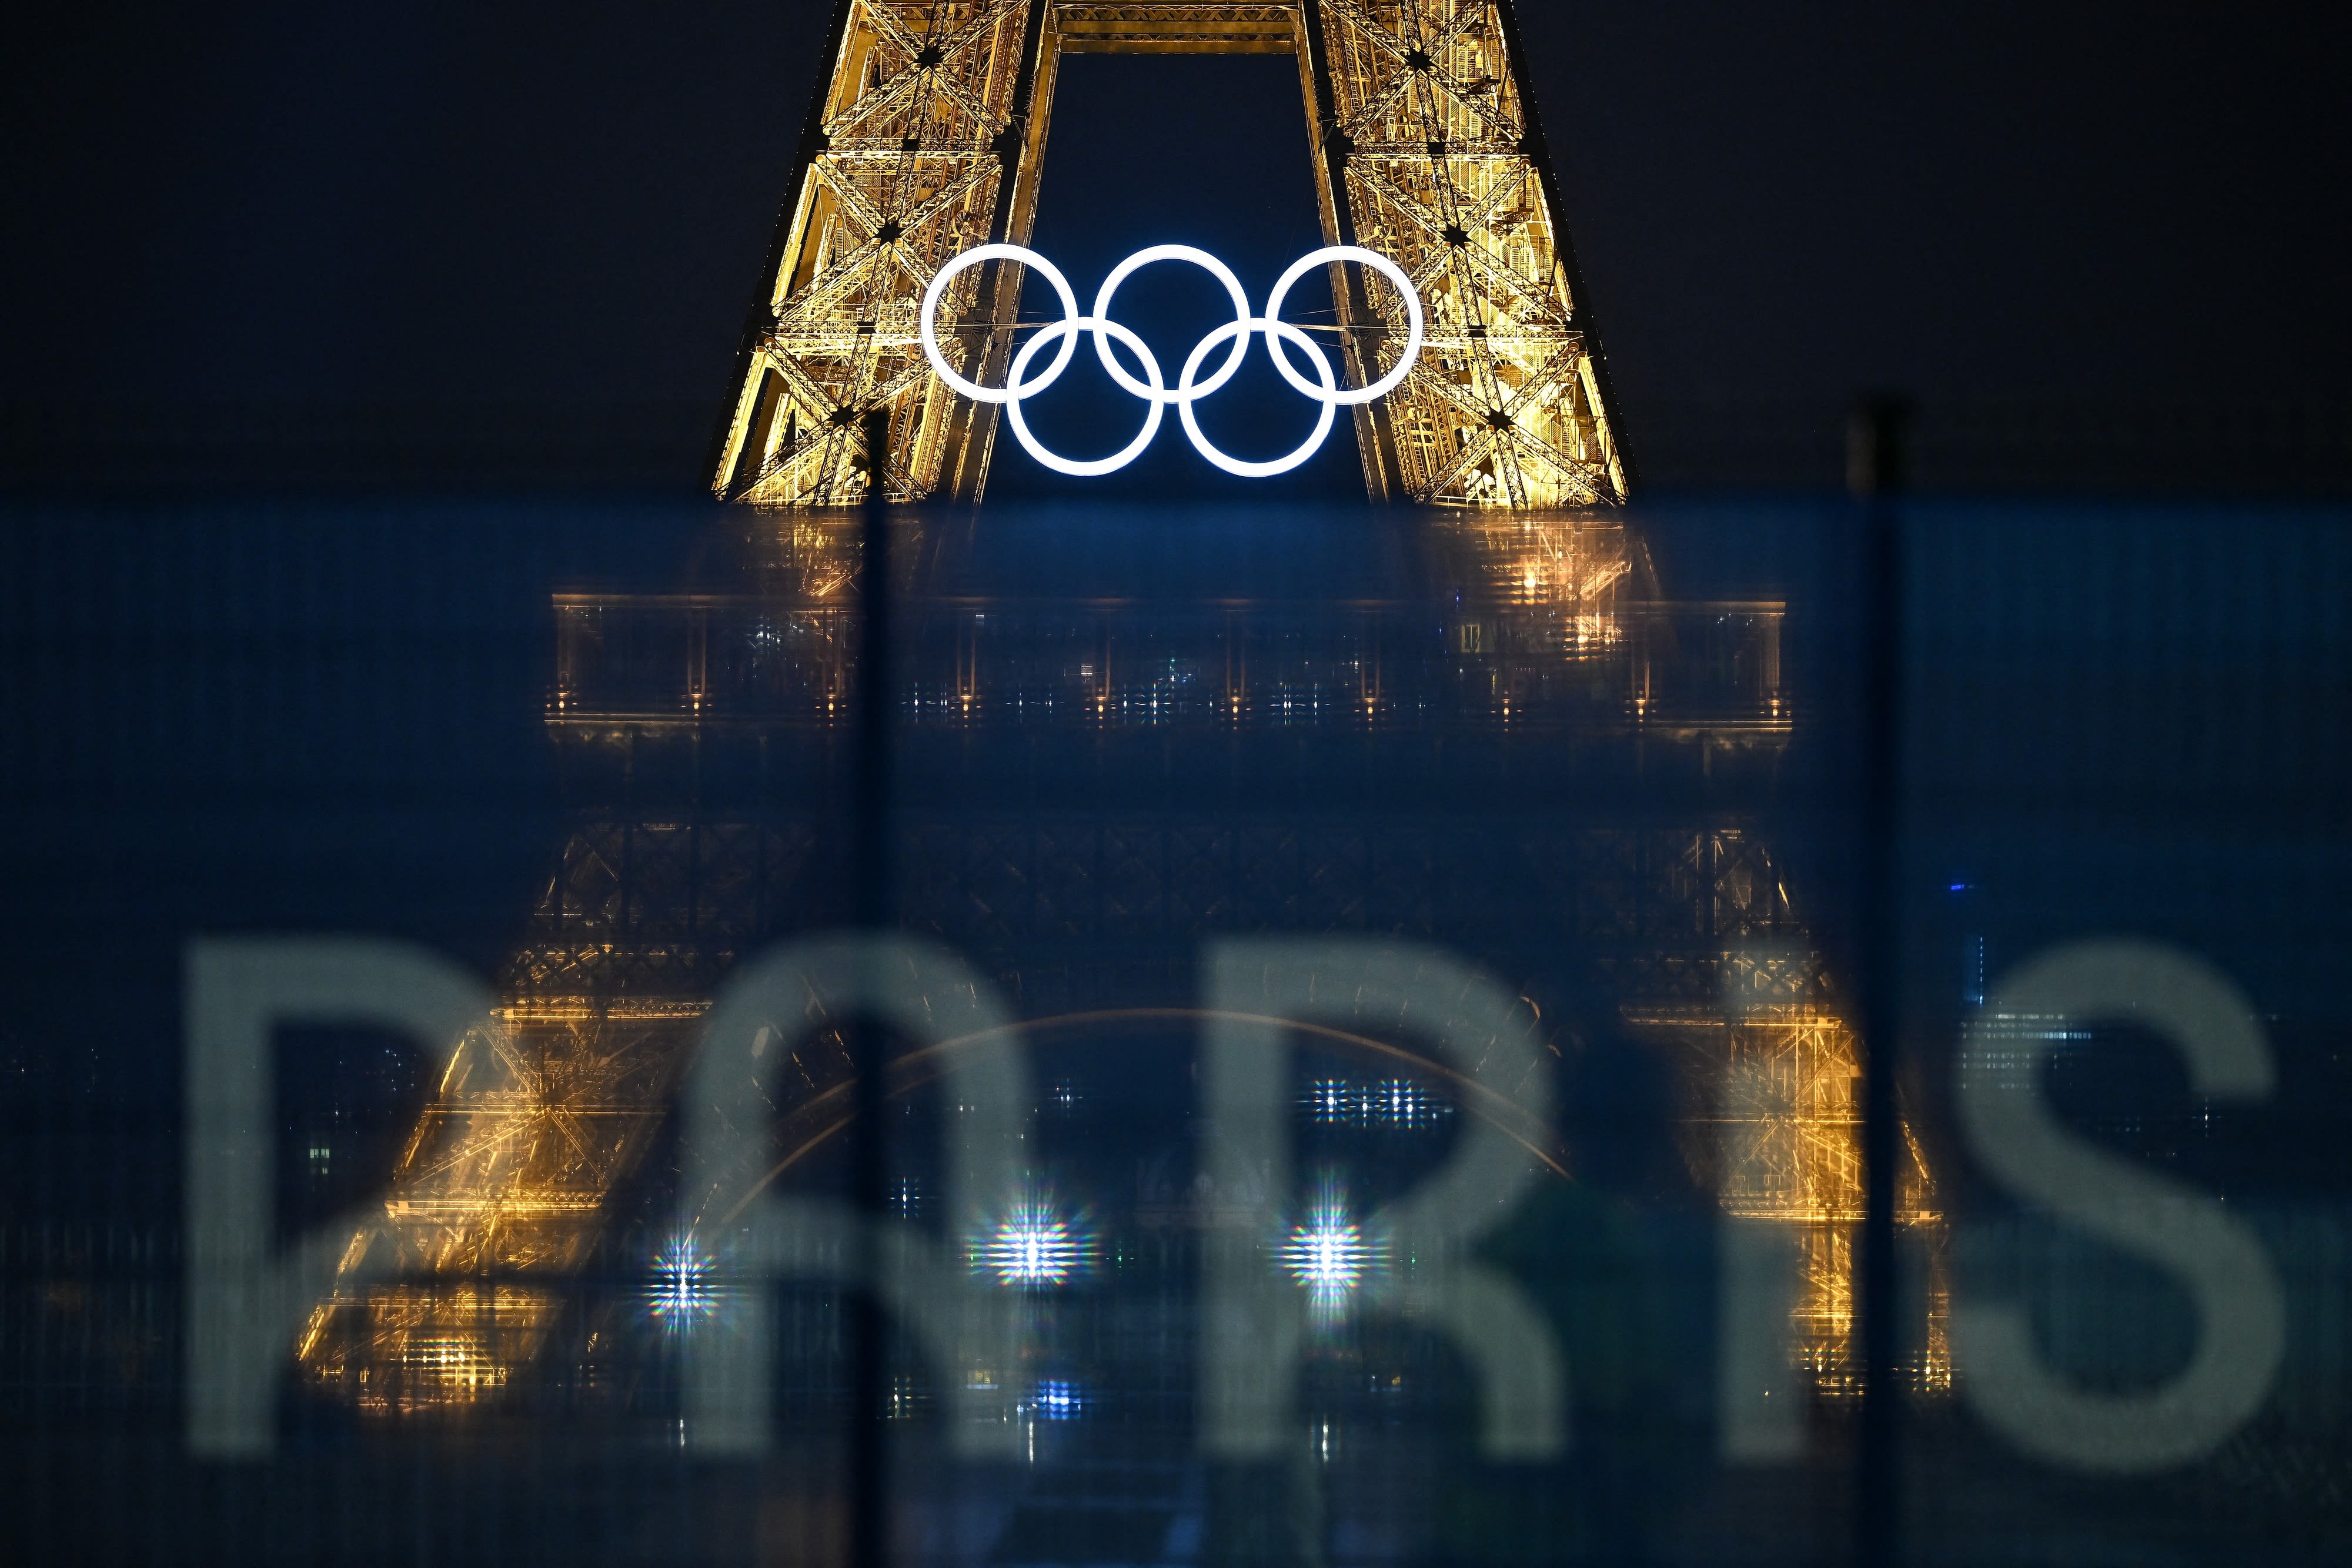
<point>1057,1399</point>
<point>1326,1257</point>
<point>1397,1103</point>
<point>1035,1244</point>
<point>1328,1254</point>
<point>1400,1104</point>
<point>1153,390</point>
<point>684,1291</point>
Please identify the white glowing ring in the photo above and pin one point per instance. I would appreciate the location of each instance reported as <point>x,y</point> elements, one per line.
<point>1186,396</point>
<point>1379,264</point>
<point>1069,330</point>
<point>1206,263</point>
<point>1015,391</point>
<point>1018,389</point>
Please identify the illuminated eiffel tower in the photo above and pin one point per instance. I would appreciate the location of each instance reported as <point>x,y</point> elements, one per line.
<point>927,139</point>
<point>697,726</point>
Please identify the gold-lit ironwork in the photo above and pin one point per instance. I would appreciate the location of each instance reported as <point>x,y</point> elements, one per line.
<point>508,1187</point>
<point>1782,1068</point>
<point>504,1181</point>
<point>926,139</point>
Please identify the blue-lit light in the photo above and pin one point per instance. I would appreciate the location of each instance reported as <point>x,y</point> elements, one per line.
<point>1035,1244</point>
<point>1402,1104</point>
<point>1057,1399</point>
<point>684,1291</point>
<point>1393,1102</point>
<point>1327,1255</point>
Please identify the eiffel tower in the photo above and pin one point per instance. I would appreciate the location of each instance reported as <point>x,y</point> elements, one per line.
<point>926,139</point>
<point>700,731</point>
<point>695,843</point>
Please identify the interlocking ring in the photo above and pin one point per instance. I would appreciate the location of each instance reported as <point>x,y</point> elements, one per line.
<point>1189,389</point>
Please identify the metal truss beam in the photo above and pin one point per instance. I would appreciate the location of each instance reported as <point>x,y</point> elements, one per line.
<point>926,141</point>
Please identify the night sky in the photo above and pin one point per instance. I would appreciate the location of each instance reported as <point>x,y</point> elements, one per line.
<point>567,205</point>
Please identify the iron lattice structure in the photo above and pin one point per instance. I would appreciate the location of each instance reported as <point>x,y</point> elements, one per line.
<point>697,838</point>
<point>926,141</point>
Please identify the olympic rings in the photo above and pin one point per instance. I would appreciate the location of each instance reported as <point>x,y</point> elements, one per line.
<point>972,258</point>
<point>1069,332</point>
<point>1154,390</point>
<point>1239,332</point>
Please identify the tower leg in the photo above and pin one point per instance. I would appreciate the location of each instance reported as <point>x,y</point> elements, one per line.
<point>1361,329</point>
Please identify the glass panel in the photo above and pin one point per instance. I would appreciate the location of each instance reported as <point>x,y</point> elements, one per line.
<point>1371,1010</point>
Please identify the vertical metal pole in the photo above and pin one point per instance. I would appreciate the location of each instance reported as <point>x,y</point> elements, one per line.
<point>869,1519</point>
<point>1875,473</point>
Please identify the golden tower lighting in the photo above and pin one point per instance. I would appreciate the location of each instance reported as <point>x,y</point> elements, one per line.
<point>927,141</point>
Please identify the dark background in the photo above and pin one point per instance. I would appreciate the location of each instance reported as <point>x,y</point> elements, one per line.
<point>562,210</point>
<point>494,223</point>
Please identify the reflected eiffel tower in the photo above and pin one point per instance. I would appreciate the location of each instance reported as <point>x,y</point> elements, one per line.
<point>699,731</point>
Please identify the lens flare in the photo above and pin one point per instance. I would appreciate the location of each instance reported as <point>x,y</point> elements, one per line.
<point>1324,389</point>
<point>1330,1100</point>
<point>1036,1244</point>
<point>1057,1399</point>
<point>1328,1254</point>
<point>684,1291</point>
<point>1396,1103</point>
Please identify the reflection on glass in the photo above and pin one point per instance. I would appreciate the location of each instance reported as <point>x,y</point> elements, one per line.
<point>1327,1253</point>
<point>681,718</point>
<point>1034,1244</point>
<point>685,1288</point>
